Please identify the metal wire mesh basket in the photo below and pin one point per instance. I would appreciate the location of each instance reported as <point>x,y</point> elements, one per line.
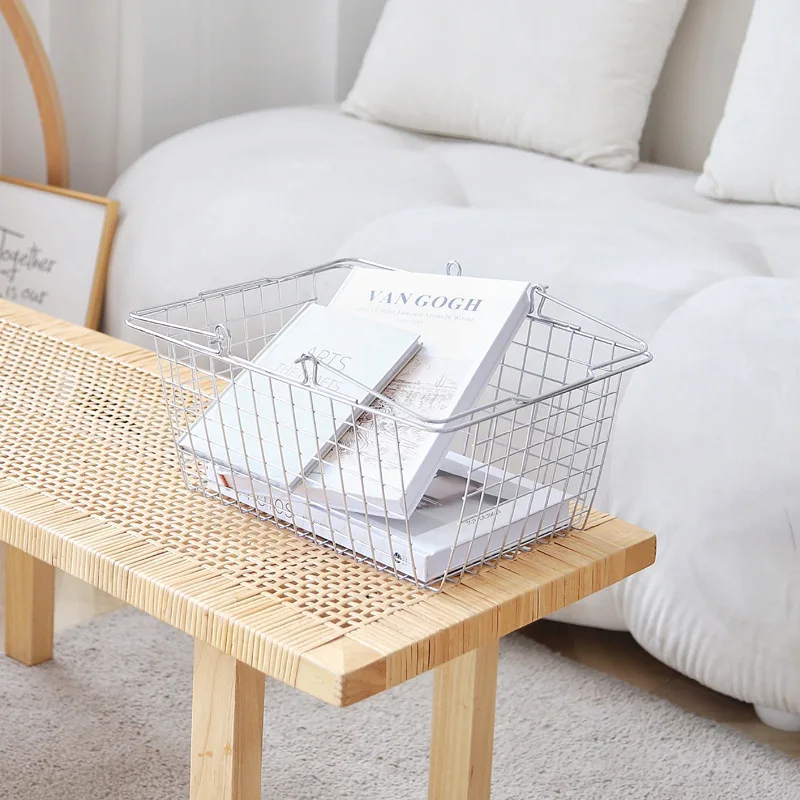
<point>522,465</point>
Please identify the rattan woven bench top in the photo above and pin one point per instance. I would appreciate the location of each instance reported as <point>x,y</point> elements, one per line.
<point>90,482</point>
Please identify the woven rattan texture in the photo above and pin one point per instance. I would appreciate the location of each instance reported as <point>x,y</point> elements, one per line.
<point>93,433</point>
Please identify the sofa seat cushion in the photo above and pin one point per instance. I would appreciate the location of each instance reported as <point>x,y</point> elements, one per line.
<point>711,433</point>
<point>631,263</point>
<point>773,231</point>
<point>267,193</point>
<point>504,177</point>
<point>259,194</point>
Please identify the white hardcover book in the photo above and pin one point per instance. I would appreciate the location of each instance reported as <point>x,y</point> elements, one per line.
<point>466,325</point>
<point>443,535</point>
<point>275,430</point>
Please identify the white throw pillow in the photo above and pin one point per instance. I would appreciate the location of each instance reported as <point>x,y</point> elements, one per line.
<point>755,155</point>
<point>572,78</point>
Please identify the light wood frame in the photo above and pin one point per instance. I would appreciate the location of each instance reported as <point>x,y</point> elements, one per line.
<point>45,90</point>
<point>95,308</point>
<point>54,132</point>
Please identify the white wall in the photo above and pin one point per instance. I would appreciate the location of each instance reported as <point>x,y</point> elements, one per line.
<point>356,24</point>
<point>134,72</point>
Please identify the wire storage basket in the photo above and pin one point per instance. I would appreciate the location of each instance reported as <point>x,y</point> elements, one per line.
<point>521,466</point>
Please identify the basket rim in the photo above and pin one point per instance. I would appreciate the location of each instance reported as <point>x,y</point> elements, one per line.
<point>635,352</point>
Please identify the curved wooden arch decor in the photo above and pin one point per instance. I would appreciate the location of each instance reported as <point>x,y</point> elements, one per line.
<point>45,90</point>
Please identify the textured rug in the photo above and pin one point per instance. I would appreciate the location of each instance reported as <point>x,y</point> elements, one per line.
<point>109,718</point>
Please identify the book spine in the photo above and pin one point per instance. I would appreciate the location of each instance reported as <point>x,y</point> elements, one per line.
<point>421,477</point>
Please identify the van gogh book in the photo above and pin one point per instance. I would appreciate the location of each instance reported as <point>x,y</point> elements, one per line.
<point>276,429</point>
<point>447,532</point>
<point>466,325</point>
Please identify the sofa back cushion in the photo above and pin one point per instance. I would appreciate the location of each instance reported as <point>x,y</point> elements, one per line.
<point>572,79</point>
<point>688,101</point>
<point>754,155</point>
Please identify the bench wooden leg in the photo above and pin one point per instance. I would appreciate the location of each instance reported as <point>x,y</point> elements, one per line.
<point>30,602</point>
<point>463,726</point>
<point>227,727</point>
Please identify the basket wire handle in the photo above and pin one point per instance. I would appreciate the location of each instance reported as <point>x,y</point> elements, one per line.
<point>540,290</point>
<point>313,377</point>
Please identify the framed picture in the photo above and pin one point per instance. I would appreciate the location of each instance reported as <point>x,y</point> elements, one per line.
<point>54,249</point>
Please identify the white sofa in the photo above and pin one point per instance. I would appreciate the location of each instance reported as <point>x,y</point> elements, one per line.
<point>707,437</point>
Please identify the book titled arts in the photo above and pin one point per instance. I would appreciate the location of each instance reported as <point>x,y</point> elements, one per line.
<point>269,425</point>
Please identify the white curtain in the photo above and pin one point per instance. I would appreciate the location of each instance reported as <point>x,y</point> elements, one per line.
<point>134,72</point>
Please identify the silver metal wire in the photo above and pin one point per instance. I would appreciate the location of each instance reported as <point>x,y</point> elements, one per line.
<point>523,464</point>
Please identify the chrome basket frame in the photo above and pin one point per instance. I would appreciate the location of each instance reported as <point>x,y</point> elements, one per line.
<point>555,436</point>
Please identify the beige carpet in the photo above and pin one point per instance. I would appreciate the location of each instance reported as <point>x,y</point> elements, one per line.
<point>109,718</point>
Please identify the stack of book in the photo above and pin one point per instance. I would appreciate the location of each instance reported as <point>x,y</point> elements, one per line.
<point>340,427</point>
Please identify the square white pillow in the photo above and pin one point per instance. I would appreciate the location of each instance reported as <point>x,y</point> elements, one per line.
<point>572,78</point>
<point>755,155</point>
